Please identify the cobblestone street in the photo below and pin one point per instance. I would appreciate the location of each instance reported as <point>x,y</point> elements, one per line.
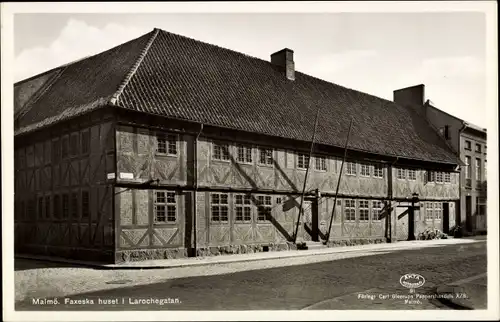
<point>314,282</point>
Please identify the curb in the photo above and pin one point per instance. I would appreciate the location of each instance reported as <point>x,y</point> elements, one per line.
<point>222,260</point>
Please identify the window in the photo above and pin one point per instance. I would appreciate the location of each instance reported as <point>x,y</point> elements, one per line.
<point>467,145</point>
<point>485,167</point>
<point>220,208</point>
<point>364,170</point>
<point>85,142</point>
<point>302,161</point>
<point>65,147</point>
<point>378,171</point>
<point>412,174</point>
<point>73,145</point>
<point>447,177</point>
<point>351,168</point>
<point>478,147</point>
<point>266,156</point>
<point>47,207</point>
<point>401,173</point>
<point>74,205</point>
<point>165,207</point>
<point>437,211</point>
<point>278,200</point>
<point>244,154</point>
<point>57,207</point>
<point>65,206</point>
<point>56,151</point>
<point>376,210</point>
<point>264,209</point>
<point>31,211</point>
<point>85,204</point>
<point>320,163</point>
<point>467,167</point>
<point>429,211</point>
<point>40,207</point>
<point>243,208</point>
<point>364,211</point>
<point>221,152</point>
<point>439,176</point>
<point>478,170</point>
<point>350,210</point>
<point>431,176</point>
<point>166,144</point>
<point>447,132</point>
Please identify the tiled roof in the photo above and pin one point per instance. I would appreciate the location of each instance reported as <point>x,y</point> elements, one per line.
<point>178,77</point>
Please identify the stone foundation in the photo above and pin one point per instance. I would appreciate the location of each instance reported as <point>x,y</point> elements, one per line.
<point>355,242</point>
<point>82,254</point>
<point>175,253</point>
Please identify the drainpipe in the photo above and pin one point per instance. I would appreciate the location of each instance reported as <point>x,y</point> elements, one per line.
<point>195,186</point>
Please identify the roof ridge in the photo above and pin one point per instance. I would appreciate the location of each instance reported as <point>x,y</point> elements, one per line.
<point>116,96</point>
<point>38,94</point>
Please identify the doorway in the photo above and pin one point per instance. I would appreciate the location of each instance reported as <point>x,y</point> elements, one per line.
<point>446,218</point>
<point>468,213</point>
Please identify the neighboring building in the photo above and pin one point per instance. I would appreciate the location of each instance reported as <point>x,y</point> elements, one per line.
<point>469,142</point>
<point>167,147</point>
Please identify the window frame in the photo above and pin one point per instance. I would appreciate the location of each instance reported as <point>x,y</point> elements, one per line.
<point>243,206</point>
<point>363,166</point>
<point>320,163</point>
<point>246,152</point>
<point>378,171</point>
<point>169,140</point>
<point>401,171</point>
<point>304,159</point>
<point>429,211</point>
<point>349,207</point>
<point>363,208</point>
<point>376,210</point>
<point>468,145</point>
<point>265,157</point>
<point>167,204</point>
<point>351,168</point>
<point>265,207</point>
<point>412,174</point>
<point>225,153</point>
<point>219,205</point>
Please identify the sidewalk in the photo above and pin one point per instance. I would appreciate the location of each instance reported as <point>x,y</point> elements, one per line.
<point>211,260</point>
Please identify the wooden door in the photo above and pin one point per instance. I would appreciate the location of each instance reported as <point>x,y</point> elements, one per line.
<point>305,223</point>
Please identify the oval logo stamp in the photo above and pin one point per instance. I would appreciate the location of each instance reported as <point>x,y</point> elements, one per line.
<point>412,281</point>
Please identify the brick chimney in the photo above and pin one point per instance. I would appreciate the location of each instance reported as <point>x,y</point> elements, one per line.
<point>410,96</point>
<point>284,60</point>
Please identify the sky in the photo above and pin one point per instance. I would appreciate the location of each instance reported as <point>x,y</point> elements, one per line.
<point>376,53</point>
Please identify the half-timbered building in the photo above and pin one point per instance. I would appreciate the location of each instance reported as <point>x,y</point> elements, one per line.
<point>165,147</point>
